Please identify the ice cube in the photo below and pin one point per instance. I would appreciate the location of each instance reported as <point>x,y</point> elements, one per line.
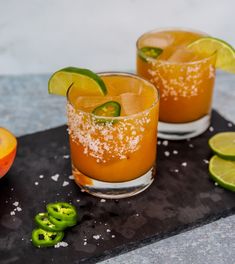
<point>131,103</point>
<point>159,39</point>
<point>183,55</point>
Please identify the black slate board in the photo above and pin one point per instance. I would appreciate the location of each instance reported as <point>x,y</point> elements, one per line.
<point>175,202</point>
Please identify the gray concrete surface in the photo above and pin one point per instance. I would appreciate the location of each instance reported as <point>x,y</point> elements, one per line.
<point>25,107</point>
<point>213,243</point>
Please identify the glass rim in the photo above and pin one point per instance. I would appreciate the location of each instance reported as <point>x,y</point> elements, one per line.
<point>182,29</point>
<point>117,73</point>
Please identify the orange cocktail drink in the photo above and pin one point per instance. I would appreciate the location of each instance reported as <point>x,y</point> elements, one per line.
<point>185,80</point>
<point>113,157</point>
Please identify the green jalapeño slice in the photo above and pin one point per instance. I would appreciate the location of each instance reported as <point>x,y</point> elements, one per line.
<point>42,219</point>
<point>149,52</point>
<point>62,224</point>
<point>108,109</point>
<point>43,238</point>
<point>62,211</point>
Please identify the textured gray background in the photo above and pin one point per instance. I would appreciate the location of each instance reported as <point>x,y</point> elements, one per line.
<point>43,36</point>
<point>25,107</point>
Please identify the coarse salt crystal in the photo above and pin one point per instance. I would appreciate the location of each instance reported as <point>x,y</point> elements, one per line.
<point>216,184</point>
<point>41,176</point>
<point>167,153</point>
<point>165,143</point>
<point>206,161</point>
<point>113,236</point>
<point>85,243</point>
<point>211,129</point>
<point>184,164</point>
<point>55,177</point>
<point>36,183</point>
<point>16,203</point>
<point>66,156</point>
<point>12,213</point>
<point>176,170</point>
<point>102,200</point>
<point>108,230</point>
<point>65,183</point>
<point>61,244</point>
<point>18,209</point>
<point>175,152</point>
<point>191,145</point>
<point>96,237</point>
<point>71,177</point>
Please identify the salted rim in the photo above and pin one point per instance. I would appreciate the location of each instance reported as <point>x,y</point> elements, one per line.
<point>131,75</point>
<point>174,29</point>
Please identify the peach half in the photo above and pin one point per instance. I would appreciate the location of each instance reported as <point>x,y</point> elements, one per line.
<point>8,144</point>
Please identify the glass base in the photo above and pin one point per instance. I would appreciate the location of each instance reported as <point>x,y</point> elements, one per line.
<point>113,190</point>
<point>178,131</point>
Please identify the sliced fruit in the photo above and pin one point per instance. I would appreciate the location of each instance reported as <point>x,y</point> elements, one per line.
<point>42,220</point>
<point>223,172</point>
<point>149,52</point>
<point>8,145</point>
<point>109,109</point>
<point>62,211</point>
<point>225,59</point>
<point>62,224</point>
<point>86,82</point>
<point>43,238</point>
<point>223,144</point>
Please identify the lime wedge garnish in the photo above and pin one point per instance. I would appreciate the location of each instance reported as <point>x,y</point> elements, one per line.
<point>223,172</point>
<point>225,59</point>
<point>85,81</point>
<point>223,144</point>
<point>149,52</point>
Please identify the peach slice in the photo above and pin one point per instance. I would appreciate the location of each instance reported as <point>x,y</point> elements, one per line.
<point>8,144</point>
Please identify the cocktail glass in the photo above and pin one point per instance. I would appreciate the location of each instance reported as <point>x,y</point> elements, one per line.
<point>114,157</point>
<point>185,81</point>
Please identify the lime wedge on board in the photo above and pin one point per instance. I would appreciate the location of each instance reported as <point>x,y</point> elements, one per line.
<point>223,144</point>
<point>223,172</point>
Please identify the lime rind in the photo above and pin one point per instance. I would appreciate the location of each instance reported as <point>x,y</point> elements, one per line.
<point>225,52</point>
<point>222,145</point>
<point>61,80</point>
<point>218,178</point>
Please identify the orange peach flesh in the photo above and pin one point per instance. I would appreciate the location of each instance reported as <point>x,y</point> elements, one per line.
<point>8,145</point>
